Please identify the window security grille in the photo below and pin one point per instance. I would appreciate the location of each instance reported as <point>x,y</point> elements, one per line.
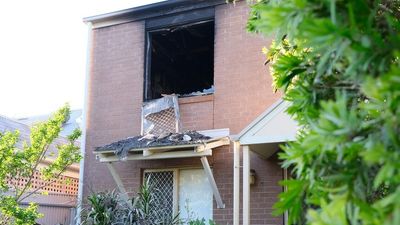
<point>162,184</point>
<point>161,116</point>
<point>164,121</point>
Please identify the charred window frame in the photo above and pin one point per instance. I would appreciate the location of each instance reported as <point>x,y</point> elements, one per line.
<point>201,23</point>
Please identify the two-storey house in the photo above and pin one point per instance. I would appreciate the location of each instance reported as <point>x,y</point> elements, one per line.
<point>200,53</point>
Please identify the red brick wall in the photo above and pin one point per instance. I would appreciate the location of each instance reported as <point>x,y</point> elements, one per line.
<point>197,113</point>
<point>242,91</point>
<point>115,94</point>
<point>265,191</point>
<point>242,83</point>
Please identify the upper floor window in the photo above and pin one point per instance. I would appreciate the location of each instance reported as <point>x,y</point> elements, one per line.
<point>180,55</point>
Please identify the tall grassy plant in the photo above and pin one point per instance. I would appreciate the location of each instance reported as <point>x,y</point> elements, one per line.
<point>109,208</point>
<point>104,208</point>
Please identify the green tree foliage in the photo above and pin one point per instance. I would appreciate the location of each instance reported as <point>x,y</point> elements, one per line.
<point>20,164</point>
<point>337,62</point>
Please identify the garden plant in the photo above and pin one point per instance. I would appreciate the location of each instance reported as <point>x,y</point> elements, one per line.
<point>337,63</point>
<point>110,208</point>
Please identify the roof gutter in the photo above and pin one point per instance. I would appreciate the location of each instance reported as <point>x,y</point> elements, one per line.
<point>149,11</point>
<point>124,12</point>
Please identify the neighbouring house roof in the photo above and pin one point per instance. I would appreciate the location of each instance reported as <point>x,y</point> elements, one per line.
<point>152,10</point>
<point>171,145</point>
<point>74,121</point>
<point>272,127</point>
<point>8,124</point>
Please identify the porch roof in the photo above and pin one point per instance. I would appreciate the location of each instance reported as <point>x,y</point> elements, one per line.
<point>266,132</point>
<point>176,145</point>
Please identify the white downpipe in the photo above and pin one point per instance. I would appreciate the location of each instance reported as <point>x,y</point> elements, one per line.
<point>236,183</point>
<point>246,185</point>
<point>286,215</point>
<point>84,122</point>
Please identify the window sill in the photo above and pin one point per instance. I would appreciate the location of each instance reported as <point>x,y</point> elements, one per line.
<point>196,99</point>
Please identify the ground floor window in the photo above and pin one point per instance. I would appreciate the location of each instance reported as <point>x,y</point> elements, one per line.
<point>183,191</point>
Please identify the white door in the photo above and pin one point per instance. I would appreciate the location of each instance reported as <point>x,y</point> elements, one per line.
<point>195,195</point>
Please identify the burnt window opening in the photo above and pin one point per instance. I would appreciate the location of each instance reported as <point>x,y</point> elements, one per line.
<point>180,60</point>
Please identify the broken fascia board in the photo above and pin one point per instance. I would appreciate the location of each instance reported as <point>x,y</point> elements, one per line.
<point>163,155</point>
<point>215,144</point>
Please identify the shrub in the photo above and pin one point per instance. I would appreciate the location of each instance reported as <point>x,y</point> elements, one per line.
<point>110,208</point>
<point>338,64</point>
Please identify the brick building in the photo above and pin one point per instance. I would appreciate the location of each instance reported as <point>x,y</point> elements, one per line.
<point>199,51</point>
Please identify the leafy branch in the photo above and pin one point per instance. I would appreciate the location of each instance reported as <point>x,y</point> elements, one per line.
<point>20,164</point>
<point>338,66</point>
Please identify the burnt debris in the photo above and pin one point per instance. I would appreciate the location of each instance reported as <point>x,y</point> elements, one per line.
<point>122,147</point>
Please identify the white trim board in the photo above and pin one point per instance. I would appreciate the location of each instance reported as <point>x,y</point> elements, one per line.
<point>272,126</point>
<point>163,155</point>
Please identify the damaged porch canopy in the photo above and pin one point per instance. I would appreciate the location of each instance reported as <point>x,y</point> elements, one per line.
<point>172,145</point>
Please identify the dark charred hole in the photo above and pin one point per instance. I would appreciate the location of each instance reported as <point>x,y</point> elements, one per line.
<point>182,60</point>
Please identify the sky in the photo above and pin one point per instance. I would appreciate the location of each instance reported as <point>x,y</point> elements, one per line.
<point>43,53</point>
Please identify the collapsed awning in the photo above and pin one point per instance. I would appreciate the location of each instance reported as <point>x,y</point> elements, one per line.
<point>173,145</point>
<point>165,152</point>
